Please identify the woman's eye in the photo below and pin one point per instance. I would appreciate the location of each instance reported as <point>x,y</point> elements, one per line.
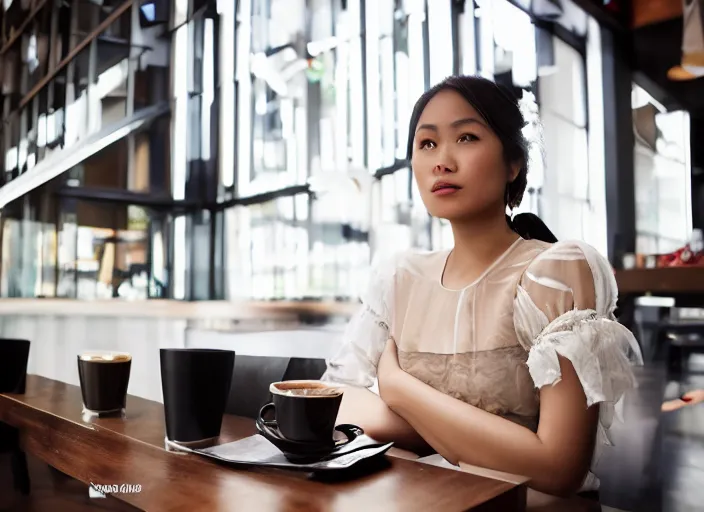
<point>468,137</point>
<point>427,144</point>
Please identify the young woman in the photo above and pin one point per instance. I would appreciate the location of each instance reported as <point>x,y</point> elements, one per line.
<point>503,352</point>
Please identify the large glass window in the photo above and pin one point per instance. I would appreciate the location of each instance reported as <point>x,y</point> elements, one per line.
<point>56,243</point>
<point>310,101</point>
<point>662,176</point>
<point>299,246</point>
<point>264,98</point>
<point>563,110</point>
<point>332,135</point>
<point>277,78</point>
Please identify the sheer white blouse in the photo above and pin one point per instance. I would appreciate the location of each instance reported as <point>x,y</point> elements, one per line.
<point>494,343</point>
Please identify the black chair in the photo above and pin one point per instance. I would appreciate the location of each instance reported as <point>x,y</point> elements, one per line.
<point>253,375</point>
<point>305,368</point>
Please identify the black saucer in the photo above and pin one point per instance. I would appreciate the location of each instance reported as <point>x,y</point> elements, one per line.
<point>305,453</point>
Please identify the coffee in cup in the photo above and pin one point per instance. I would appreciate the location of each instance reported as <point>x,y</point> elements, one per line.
<point>104,377</point>
<point>305,410</point>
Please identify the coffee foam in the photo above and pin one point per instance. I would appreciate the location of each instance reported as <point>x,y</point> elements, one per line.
<point>95,356</point>
<point>305,388</point>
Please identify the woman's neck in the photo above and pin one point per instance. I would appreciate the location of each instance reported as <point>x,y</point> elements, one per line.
<point>478,243</point>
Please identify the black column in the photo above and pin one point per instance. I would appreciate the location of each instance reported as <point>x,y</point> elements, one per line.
<point>618,148</point>
<point>697,148</point>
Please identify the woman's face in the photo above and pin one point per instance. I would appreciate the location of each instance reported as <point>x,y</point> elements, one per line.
<point>458,160</point>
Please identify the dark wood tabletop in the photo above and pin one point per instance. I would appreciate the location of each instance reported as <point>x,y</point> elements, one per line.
<point>131,451</point>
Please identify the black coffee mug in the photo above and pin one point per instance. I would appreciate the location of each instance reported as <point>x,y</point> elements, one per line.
<point>104,378</point>
<point>305,410</point>
<point>196,386</point>
<point>14,355</point>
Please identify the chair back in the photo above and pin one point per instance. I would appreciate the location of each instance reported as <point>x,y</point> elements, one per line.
<point>254,374</point>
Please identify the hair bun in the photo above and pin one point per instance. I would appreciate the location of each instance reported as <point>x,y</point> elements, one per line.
<point>531,227</point>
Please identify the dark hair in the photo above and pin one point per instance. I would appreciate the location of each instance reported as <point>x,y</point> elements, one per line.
<point>499,108</point>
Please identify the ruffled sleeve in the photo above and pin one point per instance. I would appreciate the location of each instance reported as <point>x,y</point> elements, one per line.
<point>565,306</point>
<point>368,330</point>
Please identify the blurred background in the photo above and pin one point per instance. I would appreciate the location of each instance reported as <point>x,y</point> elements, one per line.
<point>221,174</point>
<point>219,150</point>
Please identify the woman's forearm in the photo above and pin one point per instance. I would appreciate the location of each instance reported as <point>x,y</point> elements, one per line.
<point>365,409</point>
<point>463,433</point>
<point>455,428</point>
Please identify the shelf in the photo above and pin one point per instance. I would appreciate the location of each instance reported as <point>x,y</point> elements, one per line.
<point>669,280</point>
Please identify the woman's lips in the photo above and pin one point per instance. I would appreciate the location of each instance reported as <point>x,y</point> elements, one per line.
<point>445,191</point>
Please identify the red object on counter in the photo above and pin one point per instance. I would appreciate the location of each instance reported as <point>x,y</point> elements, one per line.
<point>682,257</point>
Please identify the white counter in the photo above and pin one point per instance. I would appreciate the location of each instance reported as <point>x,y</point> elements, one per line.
<point>199,310</point>
<point>59,329</point>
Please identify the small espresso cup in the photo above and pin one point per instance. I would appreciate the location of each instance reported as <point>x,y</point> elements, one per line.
<point>104,377</point>
<point>305,410</point>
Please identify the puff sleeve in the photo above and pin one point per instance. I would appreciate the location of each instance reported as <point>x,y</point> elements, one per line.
<point>564,305</point>
<point>366,334</point>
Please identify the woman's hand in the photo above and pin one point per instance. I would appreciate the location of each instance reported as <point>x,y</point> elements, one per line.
<point>690,398</point>
<point>389,372</point>
<point>693,397</point>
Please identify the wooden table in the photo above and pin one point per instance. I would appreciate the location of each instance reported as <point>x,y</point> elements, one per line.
<point>131,451</point>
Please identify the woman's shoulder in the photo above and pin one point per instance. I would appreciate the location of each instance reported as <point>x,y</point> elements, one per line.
<point>567,249</point>
<point>572,264</point>
<point>570,253</point>
<point>562,250</point>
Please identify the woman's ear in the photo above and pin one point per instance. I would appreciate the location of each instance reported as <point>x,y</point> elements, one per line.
<point>515,170</point>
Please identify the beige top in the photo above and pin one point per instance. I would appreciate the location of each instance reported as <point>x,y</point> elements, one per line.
<point>494,343</point>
